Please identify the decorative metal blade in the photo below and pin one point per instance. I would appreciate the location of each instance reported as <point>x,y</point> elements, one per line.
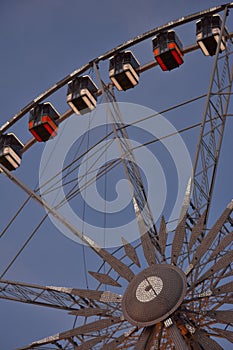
<point>223,301</point>
<point>197,230</point>
<point>83,293</point>
<point>181,227</point>
<point>226,288</point>
<point>195,345</point>
<point>144,339</point>
<point>220,264</point>
<point>114,344</point>
<point>147,243</point>
<point>162,238</point>
<point>178,239</point>
<point>222,245</point>
<point>104,279</point>
<point>123,270</point>
<point>87,328</point>
<point>117,341</point>
<point>103,296</point>
<point>225,316</point>
<point>209,238</point>
<point>206,342</point>
<point>224,333</point>
<point>89,311</point>
<point>175,335</point>
<point>130,251</point>
<point>89,344</point>
<point>227,300</point>
<point>186,200</point>
<point>228,274</point>
<point>109,297</point>
<point>91,327</point>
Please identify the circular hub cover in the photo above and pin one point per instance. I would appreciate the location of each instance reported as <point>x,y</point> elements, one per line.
<point>154,294</point>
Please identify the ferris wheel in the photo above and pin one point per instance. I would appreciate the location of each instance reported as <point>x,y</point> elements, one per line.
<point>168,284</point>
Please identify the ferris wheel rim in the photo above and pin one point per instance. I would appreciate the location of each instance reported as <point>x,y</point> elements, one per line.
<point>107,55</point>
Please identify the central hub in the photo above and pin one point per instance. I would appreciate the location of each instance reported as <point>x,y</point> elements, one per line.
<point>154,294</point>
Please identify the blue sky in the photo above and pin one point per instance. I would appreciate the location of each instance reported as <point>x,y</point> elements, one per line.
<point>41,42</point>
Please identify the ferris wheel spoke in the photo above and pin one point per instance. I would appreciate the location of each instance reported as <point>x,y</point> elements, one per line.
<point>175,335</point>
<point>103,296</point>
<point>180,231</point>
<point>145,340</point>
<point>224,243</point>
<point>85,329</point>
<point>89,343</point>
<point>90,311</point>
<point>131,252</point>
<point>210,293</point>
<point>228,273</point>
<point>228,299</point>
<point>123,270</point>
<point>197,230</point>
<point>104,279</point>
<point>178,239</point>
<point>222,263</point>
<point>224,333</point>
<point>221,316</point>
<point>211,235</point>
<point>119,340</point>
<point>162,236</point>
<point>223,289</point>
<point>147,243</point>
<point>55,297</point>
<point>144,217</point>
<point>206,343</point>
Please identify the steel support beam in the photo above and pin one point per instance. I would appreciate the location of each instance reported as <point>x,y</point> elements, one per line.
<point>211,132</point>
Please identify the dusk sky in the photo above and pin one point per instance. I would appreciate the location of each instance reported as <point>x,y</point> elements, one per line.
<point>41,42</point>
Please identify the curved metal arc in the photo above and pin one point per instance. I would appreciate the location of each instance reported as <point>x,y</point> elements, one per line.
<point>43,96</point>
<point>169,25</point>
<point>108,54</point>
